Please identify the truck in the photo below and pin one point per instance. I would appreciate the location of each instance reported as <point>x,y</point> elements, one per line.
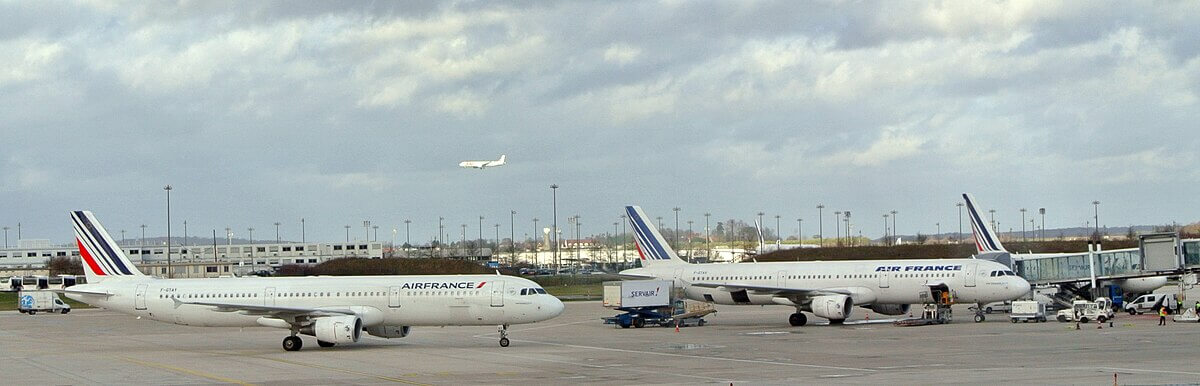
<point>651,302</point>
<point>1099,310</point>
<point>33,301</point>
<point>1028,310</point>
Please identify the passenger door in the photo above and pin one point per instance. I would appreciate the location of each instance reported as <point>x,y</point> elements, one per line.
<point>969,273</point>
<point>781,280</point>
<point>394,297</point>
<point>139,297</point>
<point>498,293</point>
<point>269,296</point>
<point>884,278</point>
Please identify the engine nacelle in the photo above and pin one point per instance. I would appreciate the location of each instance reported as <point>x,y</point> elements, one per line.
<point>388,331</point>
<point>832,307</point>
<point>890,309</point>
<point>335,329</point>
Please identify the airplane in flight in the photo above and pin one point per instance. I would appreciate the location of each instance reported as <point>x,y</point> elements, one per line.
<point>332,309</point>
<point>987,243</point>
<point>828,289</point>
<point>482,164</point>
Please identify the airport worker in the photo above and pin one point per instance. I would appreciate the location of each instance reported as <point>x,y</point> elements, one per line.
<point>1162,316</point>
<point>1198,307</point>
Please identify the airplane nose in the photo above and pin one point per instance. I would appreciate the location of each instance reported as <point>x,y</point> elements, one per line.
<point>1021,287</point>
<point>555,307</point>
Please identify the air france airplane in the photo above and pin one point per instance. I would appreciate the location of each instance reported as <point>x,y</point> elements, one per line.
<point>482,164</point>
<point>987,243</point>
<point>332,309</point>
<point>827,289</point>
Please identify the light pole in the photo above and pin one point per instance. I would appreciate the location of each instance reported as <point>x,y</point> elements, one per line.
<point>707,238</point>
<point>303,239</point>
<point>623,246</point>
<point>480,242</point>
<point>614,235</point>
<point>185,235</point>
<point>960,206</point>
<point>512,235</point>
<point>1042,211</point>
<point>676,232</point>
<point>122,235</point>
<point>375,232</point>
<point>778,230</point>
<point>366,231</point>
<point>578,258</point>
<point>659,218</point>
<point>800,231</point>
<point>394,232</point>
<point>886,239</point>
<point>441,232</point>
<point>143,237</point>
<point>554,230</point>
<point>464,234</point>
<point>6,237</point>
<point>939,228</point>
<point>536,242</point>
<point>228,236</point>
<point>848,235</point>
<point>992,219</point>
<point>821,224</point>
<point>1096,217</point>
<point>170,272</point>
<point>497,226</point>
<point>253,261</point>
<point>277,239</point>
<point>895,232</point>
<point>407,234</point>
<point>836,216</point>
<point>347,234</point>
<point>1023,238</point>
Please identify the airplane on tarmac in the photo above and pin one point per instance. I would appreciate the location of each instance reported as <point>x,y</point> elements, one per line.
<point>987,243</point>
<point>483,164</point>
<point>827,289</point>
<point>763,247</point>
<point>332,309</point>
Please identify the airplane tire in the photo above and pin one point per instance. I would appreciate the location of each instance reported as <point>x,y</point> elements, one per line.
<point>292,343</point>
<point>325,344</point>
<point>503,342</point>
<point>797,319</point>
<point>978,318</point>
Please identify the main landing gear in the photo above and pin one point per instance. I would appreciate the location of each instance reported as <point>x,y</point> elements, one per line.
<point>797,319</point>
<point>503,335</point>
<point>979,313</point>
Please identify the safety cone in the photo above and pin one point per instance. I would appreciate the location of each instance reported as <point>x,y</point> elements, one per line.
<point>1099,325</point>
<point>676,326</point>
<point>868,317</point>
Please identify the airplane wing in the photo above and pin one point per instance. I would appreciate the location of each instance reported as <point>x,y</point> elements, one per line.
<point>286,313</point>
<point>780,291</point>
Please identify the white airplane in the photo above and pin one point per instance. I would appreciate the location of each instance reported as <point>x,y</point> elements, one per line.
<point>826,289</point>
<point>987,243</point>
<point>332,309</point>
<point>482,164</point>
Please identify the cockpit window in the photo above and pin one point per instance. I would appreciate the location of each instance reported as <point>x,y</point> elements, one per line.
<point>524,291</point>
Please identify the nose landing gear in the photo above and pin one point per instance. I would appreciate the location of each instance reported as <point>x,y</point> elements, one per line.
<point>503,335</point>
<point>979,313</point>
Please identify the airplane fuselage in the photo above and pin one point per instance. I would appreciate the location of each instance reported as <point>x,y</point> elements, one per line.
<point>442,300</point>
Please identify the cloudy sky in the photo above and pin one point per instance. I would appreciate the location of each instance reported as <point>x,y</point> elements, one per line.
<point>337,112</point>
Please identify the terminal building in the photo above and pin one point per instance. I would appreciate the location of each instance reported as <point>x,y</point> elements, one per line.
<point>197,260</point>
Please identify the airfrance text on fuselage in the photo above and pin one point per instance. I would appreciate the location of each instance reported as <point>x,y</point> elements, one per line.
<point>922,268</point>
<point>437,285</point>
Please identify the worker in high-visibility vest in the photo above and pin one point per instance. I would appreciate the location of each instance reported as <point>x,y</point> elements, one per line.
<point>1162,316</point>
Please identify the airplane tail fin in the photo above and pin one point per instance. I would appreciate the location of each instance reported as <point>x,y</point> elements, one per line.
<point>102,257</point>
<point>652,247</point>
<point>761,241</point>
<point>501,161</point>
<point>986,241</point>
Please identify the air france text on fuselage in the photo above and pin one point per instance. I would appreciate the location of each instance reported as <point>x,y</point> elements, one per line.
<point>921,268</point>
<point>438,285</point>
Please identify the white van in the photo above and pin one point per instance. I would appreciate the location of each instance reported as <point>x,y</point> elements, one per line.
<point>1150,303</point>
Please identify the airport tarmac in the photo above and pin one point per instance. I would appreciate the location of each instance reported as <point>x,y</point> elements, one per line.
<point>741,345</point>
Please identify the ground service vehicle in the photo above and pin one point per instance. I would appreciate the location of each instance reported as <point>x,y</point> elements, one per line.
<point>34,301</point>
<point>1151,303</point>
<point>1028,310</point>
<point>1087,311</point>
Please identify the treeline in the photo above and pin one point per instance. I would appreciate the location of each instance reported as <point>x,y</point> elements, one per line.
<point>932,251</point>
<point>351,266</point>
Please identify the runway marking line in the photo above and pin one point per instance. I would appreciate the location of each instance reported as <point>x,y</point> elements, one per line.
<point>381,377</point>
<point>177,369</point>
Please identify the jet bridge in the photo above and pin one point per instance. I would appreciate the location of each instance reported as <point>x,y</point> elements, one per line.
<point>1159,254</point>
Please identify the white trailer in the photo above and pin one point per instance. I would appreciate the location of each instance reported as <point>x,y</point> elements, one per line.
<point>637,293</point>
<point>1028,310</point>
<point>34,301</point>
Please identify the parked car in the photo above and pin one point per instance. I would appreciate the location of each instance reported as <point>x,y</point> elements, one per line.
<point>1151,303</point>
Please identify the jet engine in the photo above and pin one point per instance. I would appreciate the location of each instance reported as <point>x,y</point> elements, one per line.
<point>335,329</point>
<point>832,307</point>
<point>388,331</point>
<point>890,309</point>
